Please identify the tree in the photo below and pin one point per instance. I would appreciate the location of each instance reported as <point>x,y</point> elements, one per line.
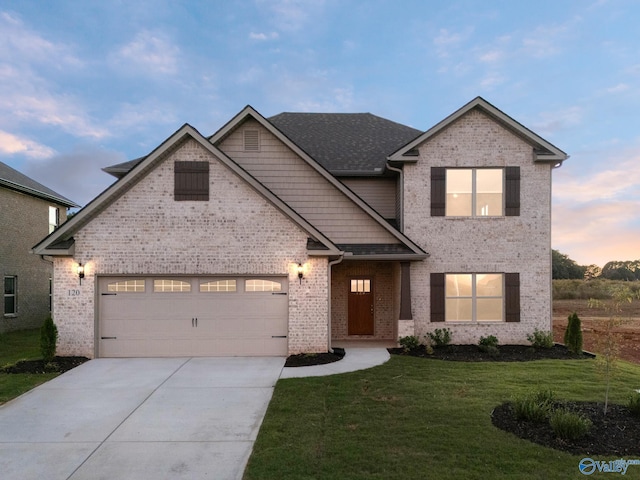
<point>48,339</point>
<point>616,270</point>
<point>593,271</point>
<point>573,334</point>
<point>563,267</point>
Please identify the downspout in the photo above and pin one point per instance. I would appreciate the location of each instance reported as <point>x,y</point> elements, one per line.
<point>401,199</point>
<point>329,265</point>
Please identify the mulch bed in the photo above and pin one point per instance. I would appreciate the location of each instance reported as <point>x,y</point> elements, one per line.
<point>506,353</point>
<point>59,365</point>
<point>310,359</point>
<point>616,434</point>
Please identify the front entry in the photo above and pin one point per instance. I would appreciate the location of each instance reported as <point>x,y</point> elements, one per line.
<point>361,315</point>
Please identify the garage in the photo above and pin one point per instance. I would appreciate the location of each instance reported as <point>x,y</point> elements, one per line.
<point>192,316</point>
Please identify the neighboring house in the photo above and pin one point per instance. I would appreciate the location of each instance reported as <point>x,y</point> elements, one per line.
<point>289,234</point>
<point>28,212</point>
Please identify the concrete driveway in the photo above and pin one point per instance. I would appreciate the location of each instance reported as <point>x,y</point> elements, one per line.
<point>159,418</point>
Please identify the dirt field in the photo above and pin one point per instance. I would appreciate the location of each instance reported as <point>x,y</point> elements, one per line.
<point>591,323</point>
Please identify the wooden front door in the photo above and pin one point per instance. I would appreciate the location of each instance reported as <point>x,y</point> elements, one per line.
<point>361,306</point>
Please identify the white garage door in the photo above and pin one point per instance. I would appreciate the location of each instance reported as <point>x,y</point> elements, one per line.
<point>200,316</point>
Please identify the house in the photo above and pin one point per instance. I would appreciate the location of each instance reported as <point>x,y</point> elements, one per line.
<point>28,212</point>
<point>293,233</point>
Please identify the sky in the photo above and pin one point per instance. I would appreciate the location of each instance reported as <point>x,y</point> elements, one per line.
<point>85,85</point>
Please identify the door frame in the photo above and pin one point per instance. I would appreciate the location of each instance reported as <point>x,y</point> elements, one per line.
<point>371,279</point>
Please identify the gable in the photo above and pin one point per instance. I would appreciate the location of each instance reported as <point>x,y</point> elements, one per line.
<point>302,187</point>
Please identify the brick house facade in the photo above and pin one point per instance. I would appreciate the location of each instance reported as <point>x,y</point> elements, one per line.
<point>295,233</point>
<point>28,211</point>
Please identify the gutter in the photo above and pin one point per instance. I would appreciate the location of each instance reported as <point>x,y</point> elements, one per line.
<point>401,186</point>
<point>329,266</point>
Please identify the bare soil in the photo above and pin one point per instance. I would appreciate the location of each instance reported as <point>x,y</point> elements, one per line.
<point>59,365</point>
<point>592,325</point>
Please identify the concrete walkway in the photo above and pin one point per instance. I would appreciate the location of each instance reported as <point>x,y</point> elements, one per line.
<point>149,418</point>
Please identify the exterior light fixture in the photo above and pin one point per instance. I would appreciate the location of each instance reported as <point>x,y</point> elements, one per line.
<point>80,272</point>
<point>300,272</point>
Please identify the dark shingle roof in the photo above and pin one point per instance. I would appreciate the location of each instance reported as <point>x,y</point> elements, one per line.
<point>345,143</point>
<point>13,179</point>
<point>121,169</point>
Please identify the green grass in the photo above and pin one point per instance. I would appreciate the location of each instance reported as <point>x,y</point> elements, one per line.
<point>16,346</point>
<point>420,419</point>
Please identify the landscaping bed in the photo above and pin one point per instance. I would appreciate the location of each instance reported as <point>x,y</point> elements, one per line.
<point>505,353</point>
<point>310,359</point>
<point>58,365</point>
<point>616,434</point>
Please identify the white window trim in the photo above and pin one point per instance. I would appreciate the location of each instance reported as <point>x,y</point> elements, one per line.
<point>474,192</point>
<point>474,297</point>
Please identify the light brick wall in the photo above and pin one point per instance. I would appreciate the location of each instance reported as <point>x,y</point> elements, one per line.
<point>237,232</point>
<point>24,221</point>
<point>501,244</point>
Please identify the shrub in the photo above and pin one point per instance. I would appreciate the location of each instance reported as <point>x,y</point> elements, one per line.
<point>489,345</point>
<point>534,407</point>
<point>568,425</point>
<point>634,404</point>
<point>410,342</point>
<point>573,334</point>
<point>540,339</point>
<point>440,337</point>
<point>48,339</point>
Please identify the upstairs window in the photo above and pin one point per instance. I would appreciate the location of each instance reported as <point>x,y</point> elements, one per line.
<point>191,181</point>
<point>54,218</point>
<point>475,192</point>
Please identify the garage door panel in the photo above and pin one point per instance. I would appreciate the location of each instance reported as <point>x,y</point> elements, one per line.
<point>194,323</point>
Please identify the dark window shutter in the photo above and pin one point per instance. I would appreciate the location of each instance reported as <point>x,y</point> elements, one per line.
<point>191,181</point>
<point>438,191</point>
<point>512,192</point>
<point>437,297</point>
<point>512,297</point>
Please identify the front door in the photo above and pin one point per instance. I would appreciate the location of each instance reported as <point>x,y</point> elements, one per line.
<point>361,306</point>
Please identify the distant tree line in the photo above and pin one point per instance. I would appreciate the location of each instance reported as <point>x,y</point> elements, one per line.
<point>565,268</point>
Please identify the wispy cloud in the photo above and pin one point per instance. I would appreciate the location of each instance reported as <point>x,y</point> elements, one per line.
<point>553,121</point>
<point>261,36</point>
<point>11,144</point>
<point>293,15</point>
<point>149,53</point>
<point>447,42</point>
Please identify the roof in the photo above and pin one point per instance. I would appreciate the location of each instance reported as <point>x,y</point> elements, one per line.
<point>14,180</point>
<point>544,150</point>
<point>345,143</point>
<point>121,169</point>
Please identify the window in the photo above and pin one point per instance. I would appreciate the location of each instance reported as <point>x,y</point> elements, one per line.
<point>475,297</point>
<point>475,192</point>
<point>218,286</point>
<point>127,286</point>
<point>191,181</point>
<point>10,295</point>
<point>262,286</point>
<point>360,286</point>
<point>171,286</point>
<point>54,218</point>
<point>251,140</point>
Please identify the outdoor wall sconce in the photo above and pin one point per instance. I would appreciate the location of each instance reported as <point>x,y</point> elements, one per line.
<point>300,272</point>
<point>80,272</point>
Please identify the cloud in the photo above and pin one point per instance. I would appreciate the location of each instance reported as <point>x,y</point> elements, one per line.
<point>621,87</point>
<point>12,144</point>
<point>149,53</point>
<point>293,15</point>
<point>76,175</point>
<point>263,36</point>
<point>556,120</point>
<point>446,42</point>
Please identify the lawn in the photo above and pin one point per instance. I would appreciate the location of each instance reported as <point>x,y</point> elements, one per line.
<point>15,346</point>
<point>418,418</point>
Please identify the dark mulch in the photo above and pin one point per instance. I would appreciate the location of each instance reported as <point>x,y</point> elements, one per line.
<point>617,433</point>
<point>59,364</point>
<point>506,353</point>
<point>310,359</point>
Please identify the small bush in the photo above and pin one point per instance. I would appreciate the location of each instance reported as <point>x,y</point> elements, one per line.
<point>410,342</point>
<point>534,407</point>
<point>573,334</point>
<point>634,404</point>
<point>568,425</point>
<point>440,337</point>
<point>48,339</point>
<point>489,345</point>
<point>540,339</point>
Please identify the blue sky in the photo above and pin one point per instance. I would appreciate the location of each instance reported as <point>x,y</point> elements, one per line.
<point>84,85</point>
